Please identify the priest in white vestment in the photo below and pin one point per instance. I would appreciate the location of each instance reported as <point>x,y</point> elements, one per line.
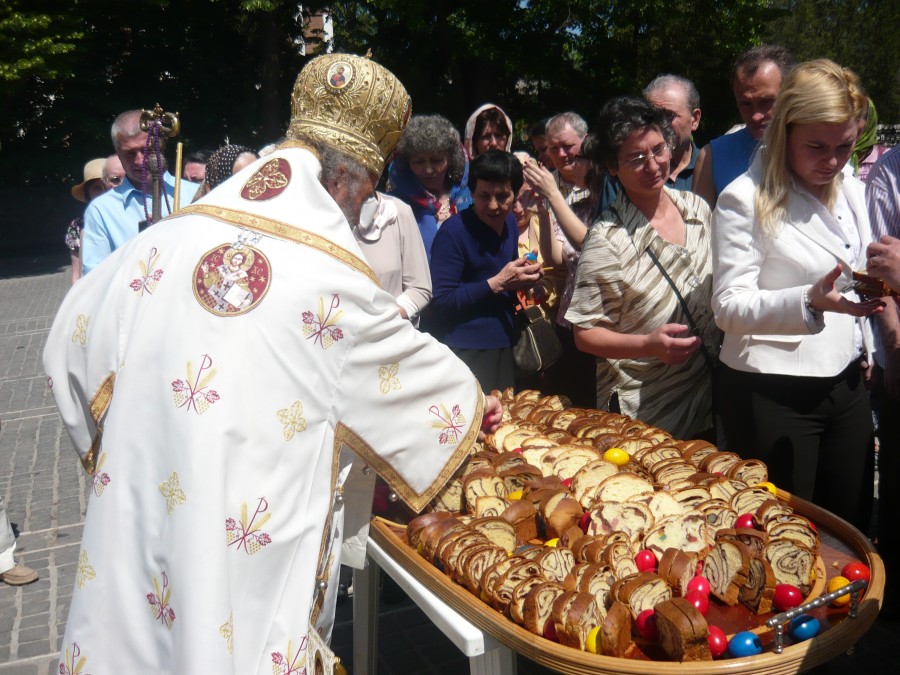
<point>211,414</point>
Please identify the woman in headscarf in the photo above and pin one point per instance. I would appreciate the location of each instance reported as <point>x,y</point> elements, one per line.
<point>488,128</point>
<point>223,164</point>
<point>429,172</point>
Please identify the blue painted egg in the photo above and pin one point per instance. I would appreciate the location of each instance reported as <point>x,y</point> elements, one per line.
<point>804,627</point>
<point>743,644</point>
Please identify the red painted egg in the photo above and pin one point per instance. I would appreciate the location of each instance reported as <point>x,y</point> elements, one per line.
<point>718,641</point>
<point>700,584</point>
<point>786,597</point>
<point>646,625</point>
<point>856,570</point>
<point>567,482</point>
<point>698,600</point>
<point>746,520</point>
<point>645,560</point>
<point>585,521</point>
<point>550,632</point>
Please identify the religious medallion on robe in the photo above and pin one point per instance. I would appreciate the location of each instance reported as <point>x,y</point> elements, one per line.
<point>232,279</point>
<point>270,180</point>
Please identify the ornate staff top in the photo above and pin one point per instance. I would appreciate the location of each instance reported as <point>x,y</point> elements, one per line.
<point>169,123</point>
<point>159,125</point>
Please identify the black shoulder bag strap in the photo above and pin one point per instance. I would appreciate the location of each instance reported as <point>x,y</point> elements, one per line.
<point>710,364</point>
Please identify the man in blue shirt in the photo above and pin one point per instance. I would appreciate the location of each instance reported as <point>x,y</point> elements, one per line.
<point>678,97</point>
<point>113,218</point>
<point>756,81</point>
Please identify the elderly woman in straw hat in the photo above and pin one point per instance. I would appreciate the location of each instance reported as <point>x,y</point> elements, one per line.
<point>92,186</point>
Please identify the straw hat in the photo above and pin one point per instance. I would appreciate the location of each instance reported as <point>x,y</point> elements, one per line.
<point>352,104</point>
<point>93,170</point>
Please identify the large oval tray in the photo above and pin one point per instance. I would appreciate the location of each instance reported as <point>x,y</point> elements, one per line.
<point>841,543</point>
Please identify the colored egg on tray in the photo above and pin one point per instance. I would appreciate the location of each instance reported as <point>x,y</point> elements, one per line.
<point>744,643</point>
<point>804,627</point>
<point>718,641</point>
<point>786,597</point>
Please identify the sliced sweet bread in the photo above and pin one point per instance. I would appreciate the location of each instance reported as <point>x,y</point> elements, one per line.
<point>794,527</point>
<point>499,531</point>
<point>750,537</point>
<point>578,618</point>
<point>792,562</point>
<point>632,518</point>
<point>772,509</point>
<point>538,606</point>
<point>642,591</point>
<point>517,598</point>
<point>619,556</point>
<point>482,483</point>
<point>517,478</point>
<point>521,514</point>
<point>749,499</point>
<point>751,471</point>
<point>683,631</point>
<point>687,532</point>
<point>621,486</point>
<point>556,563</point>
<point>560,518</point>
<point>678,567</point>
<point>471,566</point>
<point>486,507</point>
<point>499,591</point>
<point>419,523</point>
<point>727,567</point>
<point>663,505</point>
<point>450,497</point>
<point>597,580</point>
<point>591,475</point>
<point>719,515</point>
<point>571,461</point>
<point>759,591</point>
<point>615,631</point>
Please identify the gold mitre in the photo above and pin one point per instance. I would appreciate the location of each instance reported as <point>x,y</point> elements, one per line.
<point>351,104</point>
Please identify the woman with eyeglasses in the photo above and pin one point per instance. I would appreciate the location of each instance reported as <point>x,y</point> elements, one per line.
<point>641,302</point>
<point>787,235</point>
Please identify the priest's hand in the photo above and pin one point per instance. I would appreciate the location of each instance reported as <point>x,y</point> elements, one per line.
<point>493,415</point>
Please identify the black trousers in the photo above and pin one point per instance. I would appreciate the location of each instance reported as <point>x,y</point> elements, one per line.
<point>492,367</point>
<point>814,433</point>
<point>888,490</point>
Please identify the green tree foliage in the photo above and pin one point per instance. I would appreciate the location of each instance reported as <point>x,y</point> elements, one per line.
<point>860,35</point>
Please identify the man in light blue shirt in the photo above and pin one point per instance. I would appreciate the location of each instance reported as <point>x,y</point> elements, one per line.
<point>116,216</point>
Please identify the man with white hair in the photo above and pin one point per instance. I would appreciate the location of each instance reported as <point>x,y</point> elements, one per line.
<point>233,379</point>
<point>118,215</point>
<point>113,172</point>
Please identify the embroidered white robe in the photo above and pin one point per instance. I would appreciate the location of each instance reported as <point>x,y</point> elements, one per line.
<point>213,431</point>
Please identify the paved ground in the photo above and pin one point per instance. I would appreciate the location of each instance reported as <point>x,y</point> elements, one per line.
<point>46,495</point>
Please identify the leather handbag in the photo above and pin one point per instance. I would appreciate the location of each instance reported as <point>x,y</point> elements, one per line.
<point>537,347</point>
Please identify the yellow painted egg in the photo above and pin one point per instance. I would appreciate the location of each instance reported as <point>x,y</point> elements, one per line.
<point>592,642</point>
<point>770,487</point>
<point>833,585</point>
<point>552,542</point>
<point>515,495</point>
<point>617,456</point>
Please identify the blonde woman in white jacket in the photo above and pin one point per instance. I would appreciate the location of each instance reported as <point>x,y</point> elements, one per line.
<point>786,237</point>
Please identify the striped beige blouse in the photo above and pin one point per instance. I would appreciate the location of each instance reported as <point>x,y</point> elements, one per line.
<point>618,287</point>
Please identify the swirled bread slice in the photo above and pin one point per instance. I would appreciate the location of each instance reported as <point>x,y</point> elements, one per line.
<point>692,497</point>
<point>486,507</point>
<point>495,440</point>
<point>683,631</point>
<point>508,460</point>
<point>791,562</point>
<point>556,563</point>
<point>696,451</point>
<point>727,567</point>
<point>725,488</point>
<point>668,471</point>
<point>482,483</point>
<point>678,567</point>
<point>449,551</point>
<point>749,500</point>
<point>517,598</point>
<point>469,576</point>
<point>642,591</point>
<point>538,606</point>
<point>565,515</point>
<point>591,475</point>
<point>754,539</point>
<point>497,570</point>
<point>772,509</point>
<point>419,523</point>
<point>578,548</point>
<point>450,498</point>
<point>499,531</point>
<point>650,456</point>
<point>663,505</point>
<point>517,478</point>
<point>615,631</point>
<point>500,590</point>
<point>578,618</point>
<point>632,518</point>
<point>794,527</point>
<point>571,461</point>
<point>719,515</point>
<point>687,532</point>
<point>621,486</point>
<point>758,592</point>
<point>719,462</point>
<point>431,535</point>
<point>619,556</point>
<point>598,581</point>
<point>751,471</point>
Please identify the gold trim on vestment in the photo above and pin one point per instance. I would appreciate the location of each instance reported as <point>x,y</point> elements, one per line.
<point>276,228</point>
<point>99,403</point>
<point>323,564</point>
<point>415,500</point>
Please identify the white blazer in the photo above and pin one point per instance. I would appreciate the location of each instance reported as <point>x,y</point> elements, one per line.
<point>758,283</point>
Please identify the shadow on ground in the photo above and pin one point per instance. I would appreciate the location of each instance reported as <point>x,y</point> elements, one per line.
<point>33,264</point>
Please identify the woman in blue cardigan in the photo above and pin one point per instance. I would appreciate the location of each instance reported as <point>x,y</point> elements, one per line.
<point>476,271</point>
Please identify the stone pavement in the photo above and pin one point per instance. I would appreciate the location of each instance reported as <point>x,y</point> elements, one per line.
<point>46,495</point>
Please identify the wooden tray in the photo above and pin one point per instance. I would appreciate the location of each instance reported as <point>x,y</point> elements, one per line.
<point>841,543</point>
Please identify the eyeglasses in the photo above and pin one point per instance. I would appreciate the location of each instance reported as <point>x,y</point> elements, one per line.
<point>114,180</point>
<point>660,154</point>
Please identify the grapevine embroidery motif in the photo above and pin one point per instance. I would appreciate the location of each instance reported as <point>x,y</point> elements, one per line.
<point>226,630</point>
<point>247,533</point>
<point>196,395</point>
<point>321,328</point>
<point>388,376</point>
<point>292,419</point>
<point>159,602</point>
<point>451,423</point>
<point>173,493</point>
<point>85,571</point>
<point>100,479</point>
<point>273,176</point>
<point>74,662</point>
<point>288,665</point>
<point>80,334</point>
<point>150,277</point>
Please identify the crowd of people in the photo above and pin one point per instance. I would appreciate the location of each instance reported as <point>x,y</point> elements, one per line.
<point>704,291</point>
